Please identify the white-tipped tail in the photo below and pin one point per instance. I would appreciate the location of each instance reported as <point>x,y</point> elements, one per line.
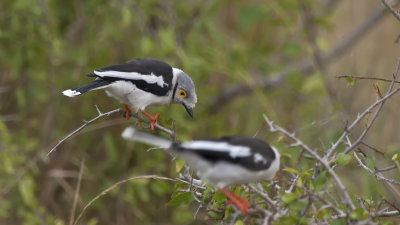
<point>71,93</point>
<point>134,135</point>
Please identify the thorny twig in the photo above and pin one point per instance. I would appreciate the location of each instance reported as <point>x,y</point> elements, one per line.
<point>230,93</point>
<point>344,195</point>
<point>393,11</point>
<point>367,78</point>
<point>388,94</point>
<point>263,195</point>
<point>379,102</point>
<point>155,177</point>
<point>78,187</point>
<point>100,115</point>
<point>392,167</point>
<point>374,173</point>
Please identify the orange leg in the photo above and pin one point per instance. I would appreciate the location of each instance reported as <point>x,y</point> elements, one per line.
<point>152,119</point>
<point>240,202</point>
<point>127,112</point>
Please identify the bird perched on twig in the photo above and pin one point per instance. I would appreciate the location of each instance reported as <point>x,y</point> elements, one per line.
<point>140,83</point>
<point>221,161</point>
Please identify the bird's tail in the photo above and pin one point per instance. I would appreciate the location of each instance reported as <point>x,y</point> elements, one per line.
<point>134,135</point>
<point>95,85</point>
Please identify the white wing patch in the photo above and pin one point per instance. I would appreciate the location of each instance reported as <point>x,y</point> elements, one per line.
<point>233,150</point>
<point>259,158</point>
<point>148,78</point>
<point>71,93</point>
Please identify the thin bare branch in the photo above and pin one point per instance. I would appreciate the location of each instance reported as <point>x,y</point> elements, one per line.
<point>345,197</point>
<point>305,68</point>
<point>263,195</point>
<point>156,177</point>
<point>101,115</point>
<point>367,78</point>
<point>388,94</point>
<point>373,148</point>
<point>393,11</point>
<point>392,167</point>
<point>78,187</point>
<point>373,173</point>
<point>357,120</point>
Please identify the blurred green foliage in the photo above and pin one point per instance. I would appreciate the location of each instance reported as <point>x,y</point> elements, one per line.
<point>47,46</point>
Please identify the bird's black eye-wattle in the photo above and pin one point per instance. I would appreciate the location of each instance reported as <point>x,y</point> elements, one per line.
<point>182,93</point>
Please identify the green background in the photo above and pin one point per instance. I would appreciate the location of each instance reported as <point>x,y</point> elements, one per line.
<point>47,46</point>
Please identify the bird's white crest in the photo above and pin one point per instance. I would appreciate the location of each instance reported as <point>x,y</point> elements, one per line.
<point>233,150</point>
<point>148,78</point>
<point>71,93</point>
<point>176,71</point>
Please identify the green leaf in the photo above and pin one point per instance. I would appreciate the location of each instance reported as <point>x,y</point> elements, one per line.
<point>298,205</point>
<point>320,180</point>
<point>207,193</point>
<point>26,188</point>
<point>21,100</point>
<point>179,163</point>
<point>291,50</point>
<point>357,213</point>
<point>343,159</point>
<point>351,81</point>
<point>314,85</point>
<point>160,188</point>
<point>219,197</point>
<point>291,170</point>
<point>308,156</point>
<point>338,222</point>
<point>111,149</point>
<point>239,222</point>
<point>183,198</point>
<point>126,16</point>
<point>213,214</point>
<point>287,198</point>
<point>288,220</point>
<point>322,44</point>
<point>395,156</point>
<point>249,15</point>
<point>370,161</point>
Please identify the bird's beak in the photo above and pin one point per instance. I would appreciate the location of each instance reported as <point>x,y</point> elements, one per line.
<point>188,109</point>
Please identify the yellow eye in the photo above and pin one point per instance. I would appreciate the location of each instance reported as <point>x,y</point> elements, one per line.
<point>182,93</point>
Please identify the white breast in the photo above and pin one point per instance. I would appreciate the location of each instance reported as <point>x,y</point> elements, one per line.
<point>223,174</point>
<point>127,93</point>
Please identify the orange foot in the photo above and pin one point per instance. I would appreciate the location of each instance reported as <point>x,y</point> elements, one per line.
<point>127,112</point>
<point>240,202</point>
<point>152,119</point>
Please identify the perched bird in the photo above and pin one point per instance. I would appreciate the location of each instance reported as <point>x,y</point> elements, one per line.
<point>140,83</point>
<point>221,161</point>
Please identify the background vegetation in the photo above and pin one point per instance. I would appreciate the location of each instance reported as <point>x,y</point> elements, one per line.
<point>246,58</point>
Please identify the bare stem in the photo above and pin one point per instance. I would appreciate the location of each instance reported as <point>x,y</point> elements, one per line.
<point>78,187</point>
<point>367,78</point>
<point>393,11</point>
<point>101,115</point>
<point>344,194</point>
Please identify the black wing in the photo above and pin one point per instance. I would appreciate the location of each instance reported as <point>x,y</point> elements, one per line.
<point>144,67</point>
<point>260,157</point>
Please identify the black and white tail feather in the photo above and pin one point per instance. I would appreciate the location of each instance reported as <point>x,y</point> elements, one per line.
<point>134,135</point>
<point>95,85</point>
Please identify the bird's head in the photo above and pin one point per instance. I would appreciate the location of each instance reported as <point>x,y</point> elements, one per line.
<point>184,91</point>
